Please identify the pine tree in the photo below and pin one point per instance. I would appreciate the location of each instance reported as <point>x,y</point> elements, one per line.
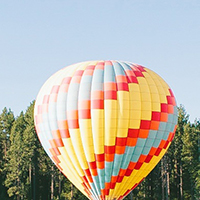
<point>37,165</point>
<point>30,147</point>
<point>6,122</point>
<point>175,152</point>
<point>15,174</point>
<point>197,157</point>
<point>190,157</point>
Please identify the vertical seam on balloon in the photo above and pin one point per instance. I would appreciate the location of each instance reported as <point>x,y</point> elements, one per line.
<point>114,190</point>
<point>50,128</point>
<point>105,127</point>
<point>95,183</point>
<point>114,70</point>
<point>160,104</point>
<point>123,188</point>
<point>95,193</point>
<point>47,122</point>
<point>80,66</point>
<point>138,173</point>
<point>150,100</point>
<point>66,72</point>
<point>161,81</point>
<point>91,108</point>
<point>73,71</point>
<point>129,66</point>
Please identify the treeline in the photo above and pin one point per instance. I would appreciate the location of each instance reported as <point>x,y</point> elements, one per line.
<point>27,173</point>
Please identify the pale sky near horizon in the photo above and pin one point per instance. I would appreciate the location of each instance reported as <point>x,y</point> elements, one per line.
<point>37,38</point>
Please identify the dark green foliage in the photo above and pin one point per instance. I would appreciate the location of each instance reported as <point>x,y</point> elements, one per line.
<point>15,165</point>
<point>191,161</point>
<point>26,172</point>
<point>6,123</point>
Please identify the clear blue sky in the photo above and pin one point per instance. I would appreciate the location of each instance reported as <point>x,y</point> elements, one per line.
<point>39,37</point>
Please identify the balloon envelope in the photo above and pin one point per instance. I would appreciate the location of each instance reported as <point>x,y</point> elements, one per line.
<point>105,124</point>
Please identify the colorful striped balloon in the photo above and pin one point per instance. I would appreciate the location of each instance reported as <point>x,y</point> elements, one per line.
<point>105,125</point>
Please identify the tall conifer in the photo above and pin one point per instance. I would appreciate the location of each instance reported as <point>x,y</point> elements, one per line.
<point>6,122</point>
<point>15,174</point>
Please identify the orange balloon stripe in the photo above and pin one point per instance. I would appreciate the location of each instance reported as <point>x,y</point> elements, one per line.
<point>86,114</point>
<point>97,104</point>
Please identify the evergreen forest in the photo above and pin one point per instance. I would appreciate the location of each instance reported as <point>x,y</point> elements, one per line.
<point>27,173</point>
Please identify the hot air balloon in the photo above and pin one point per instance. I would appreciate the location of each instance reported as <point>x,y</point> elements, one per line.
<point>105,125</point>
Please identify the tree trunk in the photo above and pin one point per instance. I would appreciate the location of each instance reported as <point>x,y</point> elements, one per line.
<point>18,183</point>
<point>176,178</point>
<point>52,182</point>
<point>59,185</point>
<point>181,182</point>
<point>72,191</point>
<point>168,187</point>
<point>163,181</point>
<point>165,177</point>
<point>30,180</point>
<point>34,190</point>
